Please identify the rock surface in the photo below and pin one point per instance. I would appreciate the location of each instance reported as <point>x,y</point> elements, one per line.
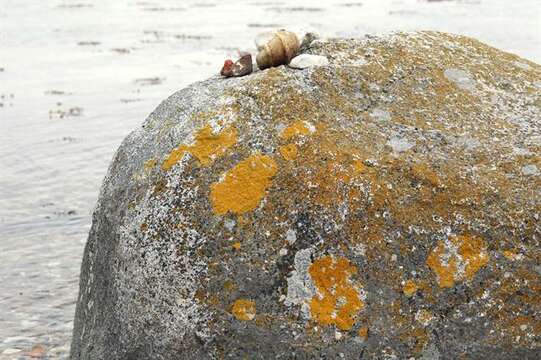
<point>384,206</point>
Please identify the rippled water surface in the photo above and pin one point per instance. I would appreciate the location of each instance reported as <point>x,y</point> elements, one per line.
<point>77,76</point>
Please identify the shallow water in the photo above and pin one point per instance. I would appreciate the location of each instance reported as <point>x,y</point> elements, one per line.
<point>77,76</point>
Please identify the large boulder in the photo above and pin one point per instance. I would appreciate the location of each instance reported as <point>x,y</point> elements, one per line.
<point>384,206</point>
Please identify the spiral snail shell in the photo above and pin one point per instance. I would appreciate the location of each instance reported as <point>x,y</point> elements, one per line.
<point>277,49</point>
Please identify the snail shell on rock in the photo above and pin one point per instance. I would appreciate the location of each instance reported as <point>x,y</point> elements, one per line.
<point>276,49</point>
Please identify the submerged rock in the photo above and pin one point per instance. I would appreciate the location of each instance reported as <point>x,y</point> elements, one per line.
<point>338,211</point>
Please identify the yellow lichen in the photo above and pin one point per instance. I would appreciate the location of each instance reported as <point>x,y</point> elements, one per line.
<point>289,151</point>
<point>465,251</point>
<point>410,288</point>
<point>338,300</point>
<point>445,271</point>
<point>363,332</point>
<point>236,245</point>
<point>206,147</point>
<point>244,309</point>
<point>296,129</point>
<point>243,187</point>
<point>473,252</point>
<point>359,167</point>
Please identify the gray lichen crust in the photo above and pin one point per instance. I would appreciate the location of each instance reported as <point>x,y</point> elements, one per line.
<point>386,205</point>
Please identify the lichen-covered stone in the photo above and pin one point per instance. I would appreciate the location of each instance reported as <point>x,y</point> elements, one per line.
<point>384,206</point>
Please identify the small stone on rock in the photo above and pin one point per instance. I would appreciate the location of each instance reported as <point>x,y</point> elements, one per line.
<point>304,61</point>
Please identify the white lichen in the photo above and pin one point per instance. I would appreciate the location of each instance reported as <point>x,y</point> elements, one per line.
<point>529,170</point>
<point>300,288</point>
<point>399,144</point>
<point>380,115</point>
<point>461,78</point>
<point>291,236</point>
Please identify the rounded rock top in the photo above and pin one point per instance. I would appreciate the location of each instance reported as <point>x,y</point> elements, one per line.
<point>384,205</point>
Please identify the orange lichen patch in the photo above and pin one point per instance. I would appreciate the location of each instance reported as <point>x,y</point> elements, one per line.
<point>363,332</point>
<point>244,309</point>
<point>338,300</point>
<point>359,167</point>
<point>410,288</point>
<point>473,252</point>
<point>296,129</point>
<point>464,251</point>
<point>289,151</point>
<point>206,147</point>
<point>243,187</point>
<point>236,245</point>
<point>445,270</point>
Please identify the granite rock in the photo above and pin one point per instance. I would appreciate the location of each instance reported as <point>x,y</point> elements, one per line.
<point>384,206</point>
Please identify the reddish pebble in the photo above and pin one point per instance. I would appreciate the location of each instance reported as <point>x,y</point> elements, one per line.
<point>241,67</point>
<point>227,70</point>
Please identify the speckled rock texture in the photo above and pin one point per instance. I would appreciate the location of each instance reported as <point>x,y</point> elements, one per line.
<point>384,206</point>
